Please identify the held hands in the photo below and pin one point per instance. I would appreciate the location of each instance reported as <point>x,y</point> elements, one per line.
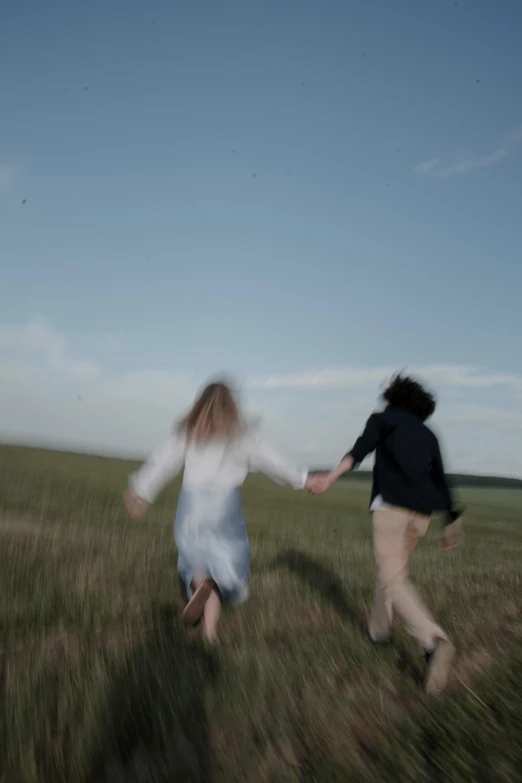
<point>319,483</point>
<point>135,505</point>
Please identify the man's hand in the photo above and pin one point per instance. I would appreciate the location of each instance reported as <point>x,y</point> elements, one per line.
<point>452,536</point>
<point>135,505</point>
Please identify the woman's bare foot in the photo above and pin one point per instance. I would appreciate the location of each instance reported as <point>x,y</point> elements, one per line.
<point>195,607</point>
<point>211,616</point>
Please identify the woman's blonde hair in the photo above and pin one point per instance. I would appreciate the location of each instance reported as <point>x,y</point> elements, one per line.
<point>214,414</point>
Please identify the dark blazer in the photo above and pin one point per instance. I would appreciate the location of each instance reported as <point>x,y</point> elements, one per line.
<point>408,471</point>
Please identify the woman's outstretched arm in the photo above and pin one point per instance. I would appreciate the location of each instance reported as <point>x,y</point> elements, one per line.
<point>267,460</point>
<point>163,464</point>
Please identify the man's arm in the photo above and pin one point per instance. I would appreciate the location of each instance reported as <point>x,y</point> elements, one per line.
<point>452,536</point>
<point>438,475</point>
<point>439,479</point>
<point>364,445</point>
<point>367,442</point>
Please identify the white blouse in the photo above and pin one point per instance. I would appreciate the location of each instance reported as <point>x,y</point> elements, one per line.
<point>221,464</point>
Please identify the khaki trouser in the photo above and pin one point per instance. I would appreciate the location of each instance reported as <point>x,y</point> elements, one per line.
<point>396,532</point>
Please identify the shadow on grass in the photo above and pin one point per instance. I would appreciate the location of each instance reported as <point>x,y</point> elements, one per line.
<point>154,726</point>
<point>324,581</point>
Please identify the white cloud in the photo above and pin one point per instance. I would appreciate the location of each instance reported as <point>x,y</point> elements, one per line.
<point>352,377</point>
<point>333,378</point>
<point>38,336</point>
<point>161,387</point>
<point>485,416</point>
<point>39,400</point>
<point>129,412</point>
<point>427,166</point>
<point>461,166</point>
<point>482,439</point>
<point>469,162</point>
<point>11,372</point>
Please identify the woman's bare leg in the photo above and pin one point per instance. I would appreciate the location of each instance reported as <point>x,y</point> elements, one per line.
<point>193,611</point>
<point>211,615</point>
<point>197,579</point>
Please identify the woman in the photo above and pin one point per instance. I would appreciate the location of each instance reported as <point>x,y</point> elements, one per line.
<point>217,451</point>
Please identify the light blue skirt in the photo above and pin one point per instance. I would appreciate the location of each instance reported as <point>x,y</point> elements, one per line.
<point>212,541</point>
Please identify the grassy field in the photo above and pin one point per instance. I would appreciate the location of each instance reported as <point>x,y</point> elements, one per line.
<point>99,682</point>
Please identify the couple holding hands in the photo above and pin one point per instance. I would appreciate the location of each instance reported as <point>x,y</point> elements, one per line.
<point>216,450</point>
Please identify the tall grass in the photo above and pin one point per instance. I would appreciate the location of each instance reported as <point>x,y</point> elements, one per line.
<point>99,682</point>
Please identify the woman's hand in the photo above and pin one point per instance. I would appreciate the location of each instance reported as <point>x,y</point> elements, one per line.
<point>135,505</point>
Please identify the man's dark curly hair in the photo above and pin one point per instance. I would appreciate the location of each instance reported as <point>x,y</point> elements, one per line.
<point>408,394</point>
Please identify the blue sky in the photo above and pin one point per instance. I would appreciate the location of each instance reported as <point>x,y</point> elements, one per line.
<point>305,195</point>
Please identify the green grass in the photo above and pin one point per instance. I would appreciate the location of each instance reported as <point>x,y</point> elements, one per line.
<point>99,682</point>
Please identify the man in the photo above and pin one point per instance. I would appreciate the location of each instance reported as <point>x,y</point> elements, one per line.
<point>409,484</point>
